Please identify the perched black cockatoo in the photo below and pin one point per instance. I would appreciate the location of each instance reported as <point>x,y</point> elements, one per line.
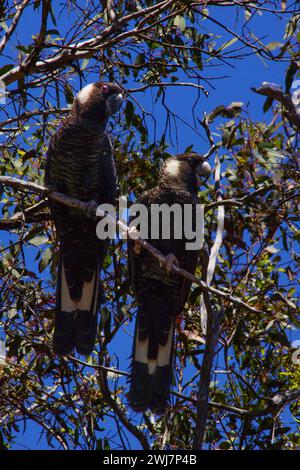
<point>80,164</point>
<point>161,294</point>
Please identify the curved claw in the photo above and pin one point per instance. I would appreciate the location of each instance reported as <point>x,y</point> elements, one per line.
<point>171,261</point>
<point>137,247</point>
<point>91,209</point>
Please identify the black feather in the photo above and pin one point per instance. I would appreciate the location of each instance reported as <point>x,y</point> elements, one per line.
<point>160,297</point>
<point>80,164</point>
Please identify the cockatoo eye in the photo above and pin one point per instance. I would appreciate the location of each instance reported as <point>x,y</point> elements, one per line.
<point>105,89</point>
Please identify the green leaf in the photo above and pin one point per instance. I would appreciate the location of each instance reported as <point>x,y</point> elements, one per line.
<point>140,59</point>
<point>68,94</point>
<point>179,21</point>
<point>6,68</point>
<point>228,44</point>
<point>45,260</point>
<point>129,112</point>
<point>38,241</point>
<point>53,31</point>
<point>4,26</point>
<point>280,337</point>
<point>267,104</point>
<point>225,445</point>
<point>85,63</point>
<point>248,14</point>
<point>290,73</point>
<point>273,45</point>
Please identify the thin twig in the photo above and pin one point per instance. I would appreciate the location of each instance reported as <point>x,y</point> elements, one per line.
<point>99,366</point>
<point>119,412</point>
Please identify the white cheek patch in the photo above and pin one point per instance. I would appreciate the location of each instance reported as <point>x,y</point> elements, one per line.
<point>173,168</point>
<point>85,93</point>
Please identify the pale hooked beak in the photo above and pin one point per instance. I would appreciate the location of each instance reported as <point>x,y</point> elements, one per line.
<point>114,103</point>
<point>202,170</point>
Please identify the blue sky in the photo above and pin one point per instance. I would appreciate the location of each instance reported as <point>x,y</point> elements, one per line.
<point>251,71</point>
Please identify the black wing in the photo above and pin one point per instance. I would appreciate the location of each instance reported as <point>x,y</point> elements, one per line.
<point>160,298</point>
<point>80,164</point>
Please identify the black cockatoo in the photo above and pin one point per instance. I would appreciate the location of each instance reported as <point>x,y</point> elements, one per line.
<point>80,164</point>
<point>161,294</point>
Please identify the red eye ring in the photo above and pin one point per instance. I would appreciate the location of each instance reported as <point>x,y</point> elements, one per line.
<point>104,89</point>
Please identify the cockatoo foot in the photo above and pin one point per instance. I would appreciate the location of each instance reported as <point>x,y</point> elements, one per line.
<point>171,261</point>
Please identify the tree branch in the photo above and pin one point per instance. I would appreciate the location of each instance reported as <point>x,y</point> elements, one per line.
<point>210,322</point>
<point>119,412</point>
<point>79,50</point>
<point>165,84</point>
<point>85,207</point>
<point>275,404</point>
<point>214,319</point>
<point>14,24</point>
<point>30,114</point>
<point>109,36</point>
<point>31,59</point>
<point>275,92</point>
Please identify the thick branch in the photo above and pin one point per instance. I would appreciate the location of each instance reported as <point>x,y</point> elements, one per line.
<point>274,406</point>
<point>280,400</point>
<point>214,319</point>
<point>15,183</point>
<point>109,36</point>
<point>12,223</point>
<point>18,219</point>
<point>85,207</point>
<point>79,50</point>
<point>31,59</point>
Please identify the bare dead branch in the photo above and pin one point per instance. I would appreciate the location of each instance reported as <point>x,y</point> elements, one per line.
<point>214,319</point>
<point>164,84</point>
<point>217,243</point>
<point>275,92</point>
<point>211,323</point>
